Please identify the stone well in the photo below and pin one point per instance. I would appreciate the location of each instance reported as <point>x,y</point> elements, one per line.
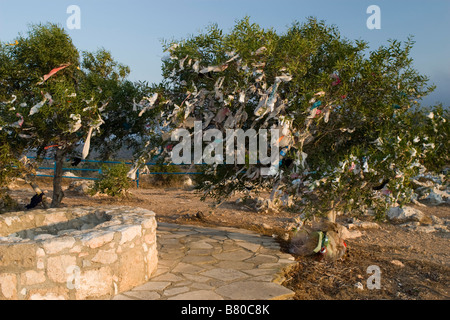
<point>76,253</point>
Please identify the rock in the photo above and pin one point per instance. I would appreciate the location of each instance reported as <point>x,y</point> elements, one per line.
<point>440,228</point>
<point>405,214</point>
<point>94,283</point>
<point>426,184</point>
<point>8,286</point>
<point>359,286</point>
<point>188,184</point>
<point>397,263</point>
<point>97,239</point>
<point>346,234</point>
<point>422,193</point>
<point>426,229</point>
<point>418,203</point>
<point>43,236</point>
<point>55,245</point>
<point>57,267</point>
<point>434,199</point>
<point>32,277</point>
<point>265,226</point>
<point>412,224</point>
<point>426,178</point>
<point>200,215</point>
<point>436,220</point>
<point>105,256</point>
<point>69,174</point>
<point>80,187</point>
<point>364,225</point>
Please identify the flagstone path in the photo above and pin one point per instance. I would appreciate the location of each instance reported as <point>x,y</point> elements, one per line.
<point>199,263</point>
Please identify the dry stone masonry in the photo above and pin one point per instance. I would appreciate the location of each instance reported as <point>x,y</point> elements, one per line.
<point>76,253</point>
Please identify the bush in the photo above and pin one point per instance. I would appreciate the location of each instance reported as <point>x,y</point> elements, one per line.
<point>166,180</point>
<point>113,181</point>
<point>9,169</point>
<point>341,113</point>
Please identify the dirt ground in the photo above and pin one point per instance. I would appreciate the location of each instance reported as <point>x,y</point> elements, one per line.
<point>413,265</point>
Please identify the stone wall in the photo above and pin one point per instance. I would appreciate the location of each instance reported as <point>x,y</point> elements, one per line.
<point>76,253</point>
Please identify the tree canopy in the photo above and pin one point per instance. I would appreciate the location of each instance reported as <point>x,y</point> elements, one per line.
<point>343,114</point>
<point>351,128</point>
<point>53,98</point>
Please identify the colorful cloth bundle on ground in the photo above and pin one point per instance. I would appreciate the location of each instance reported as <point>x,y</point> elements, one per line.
<point>322,238</point>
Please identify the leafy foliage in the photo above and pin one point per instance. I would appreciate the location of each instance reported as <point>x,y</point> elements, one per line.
<point>344,114</point>
<point>113,181</point>
<point>166,180</point>
<point>51,95</point>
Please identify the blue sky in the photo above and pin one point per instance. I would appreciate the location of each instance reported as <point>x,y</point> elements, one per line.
<point>132,30</point>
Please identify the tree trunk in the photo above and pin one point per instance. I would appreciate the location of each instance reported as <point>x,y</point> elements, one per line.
<point>332,213</point>
<point>58,193</point>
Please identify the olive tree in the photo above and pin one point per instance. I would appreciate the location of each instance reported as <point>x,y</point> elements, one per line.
<point>53,98</point>
<point>343,114</point>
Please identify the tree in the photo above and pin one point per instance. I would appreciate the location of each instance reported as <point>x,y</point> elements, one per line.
<point>343,113</point>
<point>8,165</point>
<point>53,100</point>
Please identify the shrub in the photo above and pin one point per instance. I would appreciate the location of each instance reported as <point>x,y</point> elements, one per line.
<point>9,169</point>
<point>113,181</point>
<point>166,180</point>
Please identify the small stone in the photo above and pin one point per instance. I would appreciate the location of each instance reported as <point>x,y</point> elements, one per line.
<point>152,286</point>
<point>256,289</point>
<point>397,263</point>
<point>54,218</point>
<point>97,239</point>
<point>174,291</point>
<point>359,286</point>
<point>426,229</point>
<point>405,214</point>
<point>40,263</point>
<point>434,199</point>
<point>441,228</point>
<point>47,296</point>
<point>8,285</point>
<point>57,267</point>
<point>436,220</point>
<point>43,236</point>
<point>32,277</point>
<point>129,233</point>
<point>94,283</point>
<point>149,223</point>
<point>144,295</point>
<point>105,256</point>
<point>197,295</point>
<point>224,274</point>
<point>40,252</point>
<point>58,244</point>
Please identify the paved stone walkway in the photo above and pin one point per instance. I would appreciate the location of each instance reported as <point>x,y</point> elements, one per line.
<point>198,263</point>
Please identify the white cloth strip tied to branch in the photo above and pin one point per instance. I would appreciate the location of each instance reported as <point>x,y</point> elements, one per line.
<point>151,103</point>
<point>132,173</point>
<point>196,66</point>
<point>87,144</point>
<point>218,68</point>
<point>181,62</point>
<point>14,98</point>
<point>35,108</point>
<point>75,126</point>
